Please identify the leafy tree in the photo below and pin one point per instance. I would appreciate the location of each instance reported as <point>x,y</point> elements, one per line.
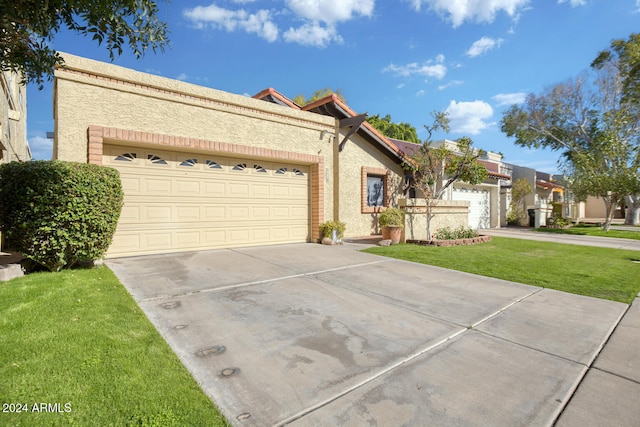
<point>520,189</point>
<point>434,169</point>
<point>300,99</point>
<point>596,125</point>
<point>28,27</point>
<point>401,131</point>
<point>624,56</point>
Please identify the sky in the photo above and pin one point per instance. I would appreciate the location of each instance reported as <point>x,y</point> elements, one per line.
<point>405,58</point>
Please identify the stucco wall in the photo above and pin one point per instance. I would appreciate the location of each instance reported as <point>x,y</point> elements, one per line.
<point>357,153</point>
<point>13,119</point>
<point>91,93</point>
<point>447,213</point>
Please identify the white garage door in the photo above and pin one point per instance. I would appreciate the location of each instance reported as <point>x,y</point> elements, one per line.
<point>479,212</point>
<point>187,201</point>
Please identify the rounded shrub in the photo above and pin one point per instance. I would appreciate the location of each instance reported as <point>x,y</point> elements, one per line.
<point>59,213</point>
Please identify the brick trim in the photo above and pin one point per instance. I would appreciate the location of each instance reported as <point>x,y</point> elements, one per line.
<point>99,135</point>
<point>384,173</point>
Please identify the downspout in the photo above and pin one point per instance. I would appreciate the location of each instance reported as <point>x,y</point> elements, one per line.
<point>336,171</point>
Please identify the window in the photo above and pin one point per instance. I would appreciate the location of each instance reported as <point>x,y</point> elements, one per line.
<point>281,171</point>
<point>213,165</point>
<point>240,167</point>
<point>156,160</point>
<point>126,157</point>
<point>375,189</point>
<point>189,162</point>
<point>259,169</point>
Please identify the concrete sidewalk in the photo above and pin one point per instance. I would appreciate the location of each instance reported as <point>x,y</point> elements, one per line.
<point>530,234</point>
<point>314,335</point>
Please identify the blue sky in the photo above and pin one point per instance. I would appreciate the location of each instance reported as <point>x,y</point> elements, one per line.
<point>406,58</point>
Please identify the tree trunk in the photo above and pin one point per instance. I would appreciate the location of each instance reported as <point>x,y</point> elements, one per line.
<point>633,210</point>
<point>609,203</point>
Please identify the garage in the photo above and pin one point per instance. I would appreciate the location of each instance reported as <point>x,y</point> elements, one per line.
<point>182,201</point>
<point>479,208</point>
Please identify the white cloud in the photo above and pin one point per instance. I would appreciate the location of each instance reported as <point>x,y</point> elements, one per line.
<point>182,76</point>
<point>216,17</point>
<point>482,46</point>
<point>574,3</point>
<point>452,83</point>
<point>312,34</point>
<point>317,19</point>
<point>459,11</point>
<point>420,93</point>
<point>469,117</point>
<point>503,99</point>
<point>330,11</point>
<point>431,68</point>
<point>41,147</point>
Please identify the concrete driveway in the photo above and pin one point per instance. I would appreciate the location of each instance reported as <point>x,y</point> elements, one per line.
<point>313,335</point>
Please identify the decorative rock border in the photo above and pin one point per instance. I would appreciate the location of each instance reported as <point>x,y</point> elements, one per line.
<point>456,242</point>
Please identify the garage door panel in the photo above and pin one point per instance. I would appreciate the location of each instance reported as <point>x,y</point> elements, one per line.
<point>479,208</point>
<point>188,201</point>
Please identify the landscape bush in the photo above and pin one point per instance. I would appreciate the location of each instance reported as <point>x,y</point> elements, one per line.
<point>57,213</point>
<point>448,233</point>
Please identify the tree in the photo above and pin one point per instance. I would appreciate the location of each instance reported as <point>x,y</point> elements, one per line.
<point>520,189</point>
<point>27,28</point>
<point>401,131</point>
<point>434,169</point>
<point>594,124</point>
<point>301,100</point>
<point>624,55</point>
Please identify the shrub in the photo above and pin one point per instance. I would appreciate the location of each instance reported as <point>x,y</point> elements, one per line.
<point>327,227</point>
<point>448,233</point>
<point>59,213</point>
<point>391,217</point>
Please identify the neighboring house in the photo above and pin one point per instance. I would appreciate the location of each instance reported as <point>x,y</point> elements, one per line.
<point>13,119</point>
<point>205,169</point>
<point>484,199</point>
<point>545,191</point>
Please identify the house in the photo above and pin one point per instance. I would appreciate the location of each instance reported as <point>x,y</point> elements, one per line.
<point>545,191</point>
<point>205,169</point>
<point>13,119</point>
<point>14,146</point>
<point>484,198</point>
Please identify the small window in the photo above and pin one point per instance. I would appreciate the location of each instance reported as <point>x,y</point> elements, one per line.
<point>375,190</point>
<point>259,169</point>
<point>240,167</point>
<point>213,165</point>
<point>156,160</point>
<point>281,171</point>
<point>126,157</point>
<point>189,162</point>
<point>297,172</point>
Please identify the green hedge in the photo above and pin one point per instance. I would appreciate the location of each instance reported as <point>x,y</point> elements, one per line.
<point>59,213</point>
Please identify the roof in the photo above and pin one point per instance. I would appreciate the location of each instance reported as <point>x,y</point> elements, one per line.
<point>546,184</point>
<point>272,95</point>
<point>409,149</point>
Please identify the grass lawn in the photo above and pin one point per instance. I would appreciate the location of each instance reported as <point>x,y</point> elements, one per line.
<point>597,272</point>
<point>77,341</point>
<point>593,230</point>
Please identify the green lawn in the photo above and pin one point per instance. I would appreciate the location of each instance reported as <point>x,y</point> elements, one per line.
<point>593,230</point>
<point>77,341</point>
<point>597,272</point>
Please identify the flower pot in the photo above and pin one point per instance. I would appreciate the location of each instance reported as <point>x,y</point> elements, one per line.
<point>392,233</point>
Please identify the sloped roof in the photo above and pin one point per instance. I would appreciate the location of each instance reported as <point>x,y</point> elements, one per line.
<point>273,96</point>
<point>332,105</point>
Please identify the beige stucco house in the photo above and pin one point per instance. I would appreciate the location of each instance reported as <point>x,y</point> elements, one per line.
<point>204,169</point>
<point>13,119</point>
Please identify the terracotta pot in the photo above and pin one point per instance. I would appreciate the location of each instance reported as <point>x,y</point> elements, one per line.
<point>392,233</point>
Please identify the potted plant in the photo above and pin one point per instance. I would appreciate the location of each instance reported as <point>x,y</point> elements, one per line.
<point>392,222</point>
<point>333,230</point>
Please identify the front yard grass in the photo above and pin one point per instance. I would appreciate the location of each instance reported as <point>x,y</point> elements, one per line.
<point>593,230</point>
<point>597,272</point>
<point>77,342</point>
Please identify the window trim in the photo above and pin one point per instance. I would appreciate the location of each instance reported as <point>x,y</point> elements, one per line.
<point>379,172</point>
